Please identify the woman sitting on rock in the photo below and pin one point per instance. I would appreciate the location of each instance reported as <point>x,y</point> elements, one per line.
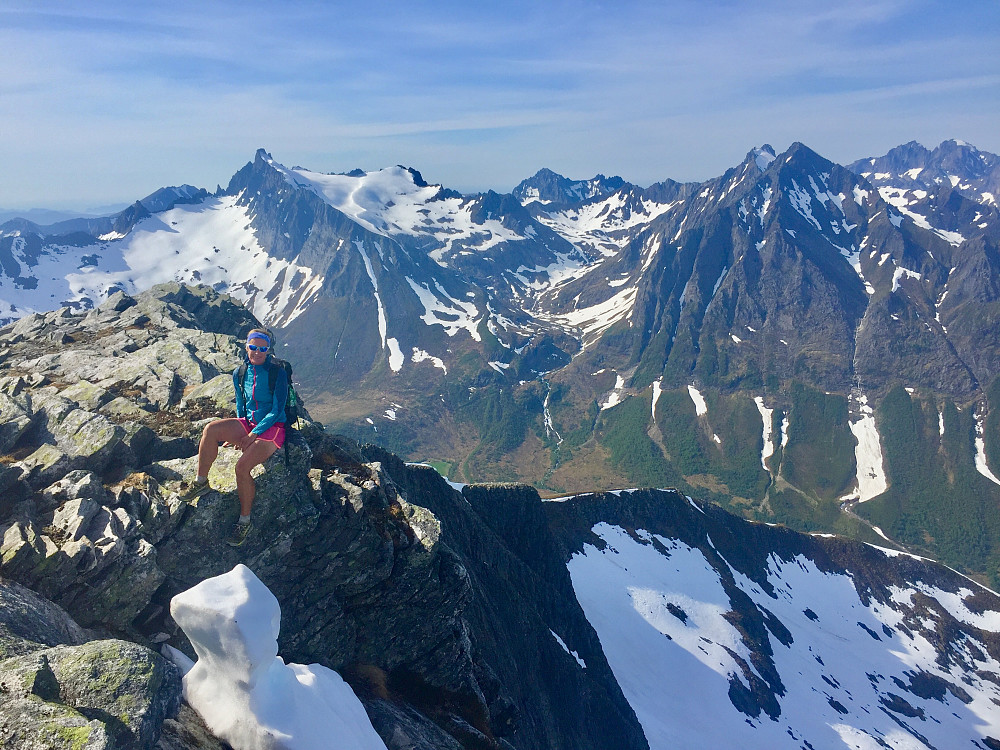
<point>258,430</point>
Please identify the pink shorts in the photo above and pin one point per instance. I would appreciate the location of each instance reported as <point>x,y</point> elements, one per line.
<point>275,433</point>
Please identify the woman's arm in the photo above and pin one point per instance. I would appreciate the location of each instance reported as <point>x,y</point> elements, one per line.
<point>277,404</point>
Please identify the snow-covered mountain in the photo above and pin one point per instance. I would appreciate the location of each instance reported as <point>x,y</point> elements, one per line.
<point>556,334</point>
<point>951,190</point>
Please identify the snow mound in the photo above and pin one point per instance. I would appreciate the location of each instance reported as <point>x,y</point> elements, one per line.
<point>244,691</point>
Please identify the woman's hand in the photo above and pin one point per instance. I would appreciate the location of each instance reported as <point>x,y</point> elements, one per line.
<point>246,442</point>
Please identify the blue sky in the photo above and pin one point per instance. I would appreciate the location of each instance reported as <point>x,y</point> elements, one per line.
<point>103,102</point>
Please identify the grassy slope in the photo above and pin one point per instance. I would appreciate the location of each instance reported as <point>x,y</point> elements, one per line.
<point>937,501</point>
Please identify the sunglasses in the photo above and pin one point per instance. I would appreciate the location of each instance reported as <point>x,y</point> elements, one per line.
<point>255,348</point>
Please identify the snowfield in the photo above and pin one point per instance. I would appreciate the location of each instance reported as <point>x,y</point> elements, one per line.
<point>662,618</point>
<point>210,243</point>
<point>389,202</point>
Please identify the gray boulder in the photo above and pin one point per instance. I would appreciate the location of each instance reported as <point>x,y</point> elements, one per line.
<point>101,694</point>
<point>28,622</point>
<point>17,419</point>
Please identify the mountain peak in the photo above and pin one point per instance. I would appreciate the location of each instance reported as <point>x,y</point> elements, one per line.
<point>417,178</point>
<point>800,156</point>
<point>762,156</point>
<point>547,186</point>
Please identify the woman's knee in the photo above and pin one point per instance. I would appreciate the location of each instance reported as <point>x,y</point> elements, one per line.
<point>245,465</point>
<point>211,430</point>
<point>222,431</point>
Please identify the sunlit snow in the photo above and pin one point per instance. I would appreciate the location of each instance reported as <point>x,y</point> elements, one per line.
<point>441,309</point>
<point>902,199</point>
<point>657,390</point>
<point>765,415</point>
<point>601,225</point>
<point>615,396</point>
<point>981,464</point>
<point>594,320</point>
<point>665,622</point>
<point>389,202</point>
<point>700,407</point>
<point>867,452</point>
<point>244,691</point>
<point>209,243</point>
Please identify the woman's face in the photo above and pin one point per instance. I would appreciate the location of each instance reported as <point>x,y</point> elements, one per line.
<point>258,355</point>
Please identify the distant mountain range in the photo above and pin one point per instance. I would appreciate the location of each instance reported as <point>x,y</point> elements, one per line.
<point>800,341</point>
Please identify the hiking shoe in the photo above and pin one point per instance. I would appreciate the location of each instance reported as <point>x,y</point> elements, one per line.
<point>195,490</point>
<point>239,534</point>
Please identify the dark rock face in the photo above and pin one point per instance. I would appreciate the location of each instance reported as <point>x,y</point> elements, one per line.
<point>547,186</point>
<point>522,594</point>
<point>30,623</point>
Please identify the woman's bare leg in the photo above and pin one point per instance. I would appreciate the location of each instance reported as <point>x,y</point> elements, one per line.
<point>256,454</point>
<point>219,431</point>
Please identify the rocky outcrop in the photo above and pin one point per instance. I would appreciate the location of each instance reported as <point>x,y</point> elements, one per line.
<point>63,689</point>
<point>109,406</point>
<point>524,597</point>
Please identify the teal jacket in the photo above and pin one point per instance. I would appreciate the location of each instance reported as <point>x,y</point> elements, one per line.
<point>260,408</point>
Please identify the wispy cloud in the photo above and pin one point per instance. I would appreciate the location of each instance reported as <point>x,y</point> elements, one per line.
<point>109,100</point>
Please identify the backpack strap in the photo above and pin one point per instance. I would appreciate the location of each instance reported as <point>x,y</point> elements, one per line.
<point>272,374</point>
<point>241,375</point>
<point>273,367</point>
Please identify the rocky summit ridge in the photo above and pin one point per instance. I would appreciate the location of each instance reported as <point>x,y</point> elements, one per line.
<point>462,616</point>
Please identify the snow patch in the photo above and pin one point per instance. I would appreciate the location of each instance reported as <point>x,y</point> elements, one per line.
<point>801,201</point>
<point>981,465</point>
<point>443,310</point>
<point>615,396</point>
<point>765,414</point>
<point>396,356</point>
<point>596,319</point>
<point>382,324</point>
<point>763,158</point>
<point>867,453</point>
<point>244,691</point>
<point>565,648</point>
<point>700,407</point>
<point>901,273</point>
<point>719,281</point>
<point>419,355</point>
<point>657,391</point>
